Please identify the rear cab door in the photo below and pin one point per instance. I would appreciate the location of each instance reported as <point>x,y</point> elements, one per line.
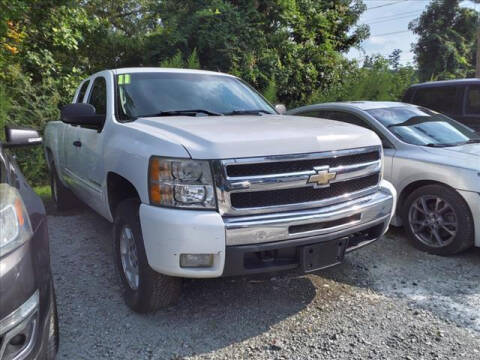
<point>71,150</point>
<point>91,166</point>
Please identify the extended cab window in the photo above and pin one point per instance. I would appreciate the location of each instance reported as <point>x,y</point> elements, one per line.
<point>98,96</point>
<point>442,99</point>
<point>473,100</point>
<point>83,90</point>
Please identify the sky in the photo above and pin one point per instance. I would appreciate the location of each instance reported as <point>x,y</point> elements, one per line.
<point>388,21</point>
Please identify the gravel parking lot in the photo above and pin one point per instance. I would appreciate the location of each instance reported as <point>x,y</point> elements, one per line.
<point>387,301</point>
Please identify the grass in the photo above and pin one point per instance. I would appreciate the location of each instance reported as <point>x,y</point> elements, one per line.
<point>44,192</point>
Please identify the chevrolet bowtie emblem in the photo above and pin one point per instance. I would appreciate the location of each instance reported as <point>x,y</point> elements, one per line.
<point>322,177</point>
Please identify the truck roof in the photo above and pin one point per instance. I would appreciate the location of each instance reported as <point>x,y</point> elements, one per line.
<point>131,70</point>
<point>447,82</point>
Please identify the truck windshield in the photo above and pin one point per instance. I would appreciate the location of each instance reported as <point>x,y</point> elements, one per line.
<point>420,126</point>
<point>192,94</point>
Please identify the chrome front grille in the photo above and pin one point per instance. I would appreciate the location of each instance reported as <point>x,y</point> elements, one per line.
<point>283,183</point>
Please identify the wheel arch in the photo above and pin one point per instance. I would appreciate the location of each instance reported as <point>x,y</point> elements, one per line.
<point>407,190</point>
<point>119,188</point>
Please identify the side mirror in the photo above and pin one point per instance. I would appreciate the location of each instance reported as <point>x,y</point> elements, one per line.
<point>81,114</point>
<point>18,137</point>
<point>281,109</point>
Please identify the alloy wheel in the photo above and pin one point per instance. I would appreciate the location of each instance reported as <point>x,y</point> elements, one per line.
<point>129,257</point>
<point>433,221</point>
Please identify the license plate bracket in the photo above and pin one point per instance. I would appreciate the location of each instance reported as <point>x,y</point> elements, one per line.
<point>323,255</point>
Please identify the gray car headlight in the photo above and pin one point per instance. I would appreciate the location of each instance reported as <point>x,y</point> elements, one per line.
<point>181,183</point>
<point>15,228</point>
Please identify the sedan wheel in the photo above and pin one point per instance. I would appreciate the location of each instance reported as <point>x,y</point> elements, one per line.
<point>433,221</point>
<point>438,220</point>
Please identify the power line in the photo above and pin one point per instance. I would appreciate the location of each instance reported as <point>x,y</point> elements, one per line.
<point>392,19</point>
<point>392,33</point>
<point>397,14</point>
<point>389,4</point>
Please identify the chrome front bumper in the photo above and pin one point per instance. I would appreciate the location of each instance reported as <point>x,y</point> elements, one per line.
<point>341,218</point>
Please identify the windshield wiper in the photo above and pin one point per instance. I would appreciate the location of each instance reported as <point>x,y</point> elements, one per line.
<point>193,112</point>
<point>438,145</point>
<point>416,120</point>
<point>471,141</point>
<point>248,112</point>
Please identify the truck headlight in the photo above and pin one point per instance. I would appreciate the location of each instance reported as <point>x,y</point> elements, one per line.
<point>15,228</point>
<point>181,183</point>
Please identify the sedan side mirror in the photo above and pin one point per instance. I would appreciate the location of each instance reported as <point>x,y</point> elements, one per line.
<point>18,137</point>
<point>82,114</point>
<point>281,109</point>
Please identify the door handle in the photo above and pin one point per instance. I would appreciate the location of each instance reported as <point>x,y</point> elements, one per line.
<point>77,143</point>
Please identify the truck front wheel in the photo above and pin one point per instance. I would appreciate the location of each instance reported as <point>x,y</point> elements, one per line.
<point>144,289</point>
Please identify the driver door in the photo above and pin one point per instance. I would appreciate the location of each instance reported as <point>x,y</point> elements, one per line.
<point>71,148</point>
<point>91,150</point>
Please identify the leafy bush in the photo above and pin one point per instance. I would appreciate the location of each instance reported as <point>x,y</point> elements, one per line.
<point>24,104</point>
<point>378,79</point>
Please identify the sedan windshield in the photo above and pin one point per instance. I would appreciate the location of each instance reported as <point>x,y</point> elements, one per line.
<point>420,126</point>
<point>190,94</point>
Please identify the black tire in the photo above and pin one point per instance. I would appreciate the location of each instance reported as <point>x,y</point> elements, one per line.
<point>153,290</point>
<point>62,197</point>
<point>53,338</point>
<point>458,212</point>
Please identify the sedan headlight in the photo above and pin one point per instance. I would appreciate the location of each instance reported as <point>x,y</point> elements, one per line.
<point>15,228</point>
<point>181,183</point>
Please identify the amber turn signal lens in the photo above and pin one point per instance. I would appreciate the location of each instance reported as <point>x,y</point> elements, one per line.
<point>18,210</point>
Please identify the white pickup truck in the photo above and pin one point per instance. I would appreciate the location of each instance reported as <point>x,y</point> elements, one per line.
<point>202,178</point>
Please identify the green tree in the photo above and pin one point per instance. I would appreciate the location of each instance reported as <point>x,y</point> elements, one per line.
<point>378,78</point>
<point>297,42</point>
<point>447,41</point>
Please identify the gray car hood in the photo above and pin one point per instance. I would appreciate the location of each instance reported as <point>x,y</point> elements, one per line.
<point>221,137</point>
<point>464,156</point>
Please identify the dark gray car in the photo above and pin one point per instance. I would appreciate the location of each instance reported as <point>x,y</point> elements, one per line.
<point>459,99</point>
<point>28,316</point>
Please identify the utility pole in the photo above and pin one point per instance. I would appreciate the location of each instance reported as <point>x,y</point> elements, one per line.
<point>477,72</point>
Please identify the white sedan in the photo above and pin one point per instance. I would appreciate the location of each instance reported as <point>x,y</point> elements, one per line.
<point>433,161</point>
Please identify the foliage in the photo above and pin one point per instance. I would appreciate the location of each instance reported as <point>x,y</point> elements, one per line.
<point>177,61</point>
<point>377,79</point>
<point>447,41</point>
<point>297,42</point>
<point>291,50</point>
<point>33,106</point>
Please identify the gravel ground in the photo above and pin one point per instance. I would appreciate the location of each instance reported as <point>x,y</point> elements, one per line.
<point>387,301</point>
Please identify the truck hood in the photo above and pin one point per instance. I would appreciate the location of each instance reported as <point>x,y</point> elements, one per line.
<point>222,137</point>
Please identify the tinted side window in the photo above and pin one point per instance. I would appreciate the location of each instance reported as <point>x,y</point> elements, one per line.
<point>473,100</point>
<point>98,96</point>
<point>407,97</point>
<point>442,99</point>
<point>83,90</point>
